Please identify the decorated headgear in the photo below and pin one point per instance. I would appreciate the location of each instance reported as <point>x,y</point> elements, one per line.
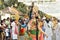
<point>35,9</point>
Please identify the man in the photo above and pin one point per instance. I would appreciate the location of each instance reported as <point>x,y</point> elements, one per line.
<point>58,32</point>
<point>54,28</point>
<point>14,36</point>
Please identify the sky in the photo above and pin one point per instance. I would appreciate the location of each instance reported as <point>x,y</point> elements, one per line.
<point>52,8</point>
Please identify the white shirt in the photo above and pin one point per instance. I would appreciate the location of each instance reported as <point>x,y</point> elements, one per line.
<point>7,30</point>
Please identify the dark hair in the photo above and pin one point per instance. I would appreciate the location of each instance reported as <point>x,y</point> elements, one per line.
<point>4,19</point>
<point>47,20</point>
<point>13,20</point>
<point>1,22</point>
<point>7,18</point>
<point>22,21</point>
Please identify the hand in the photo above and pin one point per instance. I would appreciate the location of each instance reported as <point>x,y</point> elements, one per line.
<point>46,35</point>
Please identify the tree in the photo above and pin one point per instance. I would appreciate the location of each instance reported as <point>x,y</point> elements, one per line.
<point>22,7</point>
<point>1,4</point>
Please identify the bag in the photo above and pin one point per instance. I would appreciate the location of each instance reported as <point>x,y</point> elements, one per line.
<point>16,30</point>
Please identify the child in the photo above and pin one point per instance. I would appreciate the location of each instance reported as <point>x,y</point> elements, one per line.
<point>7,33</point>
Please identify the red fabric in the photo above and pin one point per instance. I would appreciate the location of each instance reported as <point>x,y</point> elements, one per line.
<point>41,36</point>
<point>16,30</point>
<point>33,38</point>
<point>22,30</point>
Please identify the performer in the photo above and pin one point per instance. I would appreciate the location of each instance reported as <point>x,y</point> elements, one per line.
<point>33,30</point>
<point>41,32</point>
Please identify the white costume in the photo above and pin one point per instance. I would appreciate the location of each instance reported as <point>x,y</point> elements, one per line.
<point>14,36</point>
<point>48,30</point>
<point>58,32</point>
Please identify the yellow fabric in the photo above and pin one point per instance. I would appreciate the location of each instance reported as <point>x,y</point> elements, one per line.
<point>16,17</point>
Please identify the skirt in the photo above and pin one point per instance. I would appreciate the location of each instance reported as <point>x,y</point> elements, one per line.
<point>41,36</point>
<point>33,38</point>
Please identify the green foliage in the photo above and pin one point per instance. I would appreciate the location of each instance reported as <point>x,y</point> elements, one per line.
<point>10,2</point>
<point>41,13</point>
<point>22,7</point>
<point>1,4</point>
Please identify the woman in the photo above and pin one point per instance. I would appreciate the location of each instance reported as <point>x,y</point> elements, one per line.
<point>32,32</point>
<point>42,33</point>
<point>31,28</point>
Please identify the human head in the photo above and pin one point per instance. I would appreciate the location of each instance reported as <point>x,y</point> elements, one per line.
<point>33,15</point>
<point>41,23</point>
<point>55,21</point>
<point>8,18</point>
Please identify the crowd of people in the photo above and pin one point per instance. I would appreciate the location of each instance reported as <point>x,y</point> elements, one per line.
<point>26,28</point>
